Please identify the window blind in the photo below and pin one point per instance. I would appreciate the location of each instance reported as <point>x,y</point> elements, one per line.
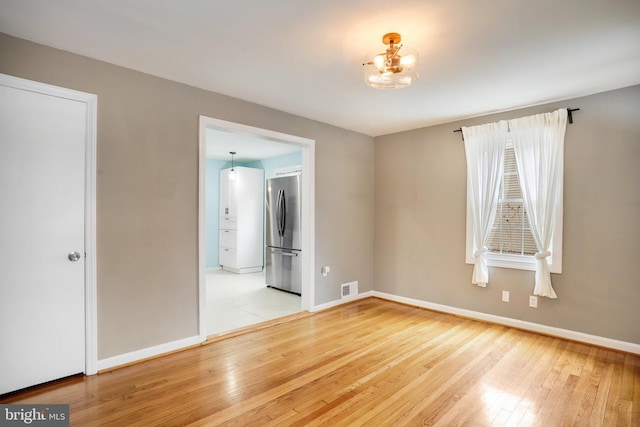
<point>511,233</point>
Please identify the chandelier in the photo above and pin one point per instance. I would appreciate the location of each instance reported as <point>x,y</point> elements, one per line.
<point>395,68</point>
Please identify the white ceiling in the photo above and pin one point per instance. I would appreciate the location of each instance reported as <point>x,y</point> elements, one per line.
<point>305,57</point>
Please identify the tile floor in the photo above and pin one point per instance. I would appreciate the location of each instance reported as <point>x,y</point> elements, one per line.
<point>238,300</point>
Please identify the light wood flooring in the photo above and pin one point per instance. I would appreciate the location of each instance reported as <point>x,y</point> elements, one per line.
<point>371,362</point>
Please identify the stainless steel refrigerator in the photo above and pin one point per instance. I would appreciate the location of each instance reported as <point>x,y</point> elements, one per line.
<point>283,252</point>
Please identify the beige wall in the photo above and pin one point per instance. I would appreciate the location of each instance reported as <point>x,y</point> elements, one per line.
<point>420,183</point>
<point>147,192</point>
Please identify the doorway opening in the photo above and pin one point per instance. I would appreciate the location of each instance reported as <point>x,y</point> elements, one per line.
<point>258,139</point>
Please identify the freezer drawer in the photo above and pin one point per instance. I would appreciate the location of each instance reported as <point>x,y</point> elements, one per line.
<point>284,269</point>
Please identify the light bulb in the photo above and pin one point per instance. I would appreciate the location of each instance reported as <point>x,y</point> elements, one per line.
<point>379,61</point>
<point>232,174</point>
<point>408,60</point>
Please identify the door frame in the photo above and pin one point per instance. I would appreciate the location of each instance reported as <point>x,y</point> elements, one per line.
<point>307,208</point>
<point>90,281</point>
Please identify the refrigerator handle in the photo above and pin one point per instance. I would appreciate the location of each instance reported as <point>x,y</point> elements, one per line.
<point>279,212</point>
<point>283,253</point>
<point>277,209</point>
<point>283,213</point>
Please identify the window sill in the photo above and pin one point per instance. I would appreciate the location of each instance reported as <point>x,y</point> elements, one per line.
<point>516,262</point>
<point>511,261</point>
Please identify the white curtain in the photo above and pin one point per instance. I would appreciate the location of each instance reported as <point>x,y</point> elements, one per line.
<point>484,147</point>
<point>538,143</point>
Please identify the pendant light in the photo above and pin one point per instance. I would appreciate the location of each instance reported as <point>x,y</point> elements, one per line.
<point>395,68</point>
<point>232,172</point>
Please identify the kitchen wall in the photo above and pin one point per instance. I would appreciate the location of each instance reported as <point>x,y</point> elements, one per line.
<point>420,205</point>
<point>271,164</point>
<point>147,192</point>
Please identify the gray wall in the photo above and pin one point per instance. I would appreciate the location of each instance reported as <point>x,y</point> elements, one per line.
<point>420,205</point>
<point>147,192</point>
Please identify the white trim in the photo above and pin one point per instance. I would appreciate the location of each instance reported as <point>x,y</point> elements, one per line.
<point>520,324</point>
<point>308,208</point>
<point>242,270</point>
<point>202,240</point>
<point>338,302</point>
<point>308,227</point>
<point>91,102</point>
<point>518,262</point>
<point>145,353</point>
<point>91,259</point>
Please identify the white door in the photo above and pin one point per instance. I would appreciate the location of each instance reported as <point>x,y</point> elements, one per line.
<point>42,255</point>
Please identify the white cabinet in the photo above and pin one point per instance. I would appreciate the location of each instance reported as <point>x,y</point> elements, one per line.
<point>241,220</point>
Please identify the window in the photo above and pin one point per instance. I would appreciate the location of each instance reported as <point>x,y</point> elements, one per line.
<point>510,233</point>
<point>510,242</point>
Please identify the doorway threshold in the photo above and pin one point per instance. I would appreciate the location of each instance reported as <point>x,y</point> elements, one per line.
<point>255,327</point>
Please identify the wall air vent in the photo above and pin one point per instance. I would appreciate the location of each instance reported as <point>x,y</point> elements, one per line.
<point>349,290</point>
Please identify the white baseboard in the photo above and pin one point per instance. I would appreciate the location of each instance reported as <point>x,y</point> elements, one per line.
<point>243,270</point>
<point>218,268</point>
<point>157,350</point>
<point>341,301</point>
<point>520,324</point>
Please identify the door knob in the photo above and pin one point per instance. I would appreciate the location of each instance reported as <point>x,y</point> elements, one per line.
<point>74,256</point>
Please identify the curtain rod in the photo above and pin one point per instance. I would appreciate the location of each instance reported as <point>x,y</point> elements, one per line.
<point>569,116</point>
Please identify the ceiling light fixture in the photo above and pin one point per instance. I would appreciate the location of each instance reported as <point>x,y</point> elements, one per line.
<point>232,172</point>
<point>395,68</point>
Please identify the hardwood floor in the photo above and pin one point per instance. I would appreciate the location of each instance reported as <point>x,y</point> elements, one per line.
<point>372,362</point>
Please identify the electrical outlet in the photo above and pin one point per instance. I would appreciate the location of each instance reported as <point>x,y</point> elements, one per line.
<point>533,301</point>
<point>505,296</point>
<point>325,270</point>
